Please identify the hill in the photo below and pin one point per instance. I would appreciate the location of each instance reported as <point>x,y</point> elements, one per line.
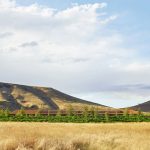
<point>144,107</point>
<point>14,96</point>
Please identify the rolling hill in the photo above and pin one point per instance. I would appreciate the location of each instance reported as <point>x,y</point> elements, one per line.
<point>145,107</point>
<point>14,96</point>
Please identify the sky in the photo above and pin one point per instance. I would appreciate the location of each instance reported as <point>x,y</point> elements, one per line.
<point>95,50</point>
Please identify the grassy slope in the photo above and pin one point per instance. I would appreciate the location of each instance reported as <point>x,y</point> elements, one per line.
<point>15,96</point>
<point>145,107</point>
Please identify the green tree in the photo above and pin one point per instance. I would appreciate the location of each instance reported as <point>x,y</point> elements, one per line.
<point>70,110</point>
<point>96,114</point>
<point>139,115</point>
<point>49,110</point>
<point>6,112</point>
<point>126,112</point>
<point>85,113</point>
<point>37,113</point>
<point>139,112</point>
<point>58,113</point>
<point>1,112</point>
<point>92,110</point>
<point>106,117</point>
<point>21,112</point>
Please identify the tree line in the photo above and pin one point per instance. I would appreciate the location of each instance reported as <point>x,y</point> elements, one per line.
<point>87,116</point>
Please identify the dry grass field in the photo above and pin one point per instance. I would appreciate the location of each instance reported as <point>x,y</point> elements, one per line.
<point>68,136</point>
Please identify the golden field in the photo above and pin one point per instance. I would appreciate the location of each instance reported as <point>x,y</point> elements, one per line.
<point>69,136</point>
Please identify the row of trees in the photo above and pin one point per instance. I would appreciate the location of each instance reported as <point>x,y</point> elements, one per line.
<point>92,112</point>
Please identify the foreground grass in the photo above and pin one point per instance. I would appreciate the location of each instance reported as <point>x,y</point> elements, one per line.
<point>69,136</point>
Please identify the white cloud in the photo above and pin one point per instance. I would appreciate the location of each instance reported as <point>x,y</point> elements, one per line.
<point>71,50</point>
<point>6,34</point>
<point>29,44</point>
<point>136,66</point>
<point>6,4</point>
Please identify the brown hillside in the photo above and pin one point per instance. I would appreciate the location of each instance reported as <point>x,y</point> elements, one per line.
<point>145,107</point>
<point>14,96</point>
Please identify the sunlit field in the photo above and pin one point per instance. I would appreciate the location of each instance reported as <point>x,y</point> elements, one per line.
<point>69,136</point>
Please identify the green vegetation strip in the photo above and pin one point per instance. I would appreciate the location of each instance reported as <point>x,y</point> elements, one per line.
<point>5,115</point>
<point>74,118</point>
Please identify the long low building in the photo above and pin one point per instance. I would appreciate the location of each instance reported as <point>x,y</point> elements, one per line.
<point>65,113</point>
